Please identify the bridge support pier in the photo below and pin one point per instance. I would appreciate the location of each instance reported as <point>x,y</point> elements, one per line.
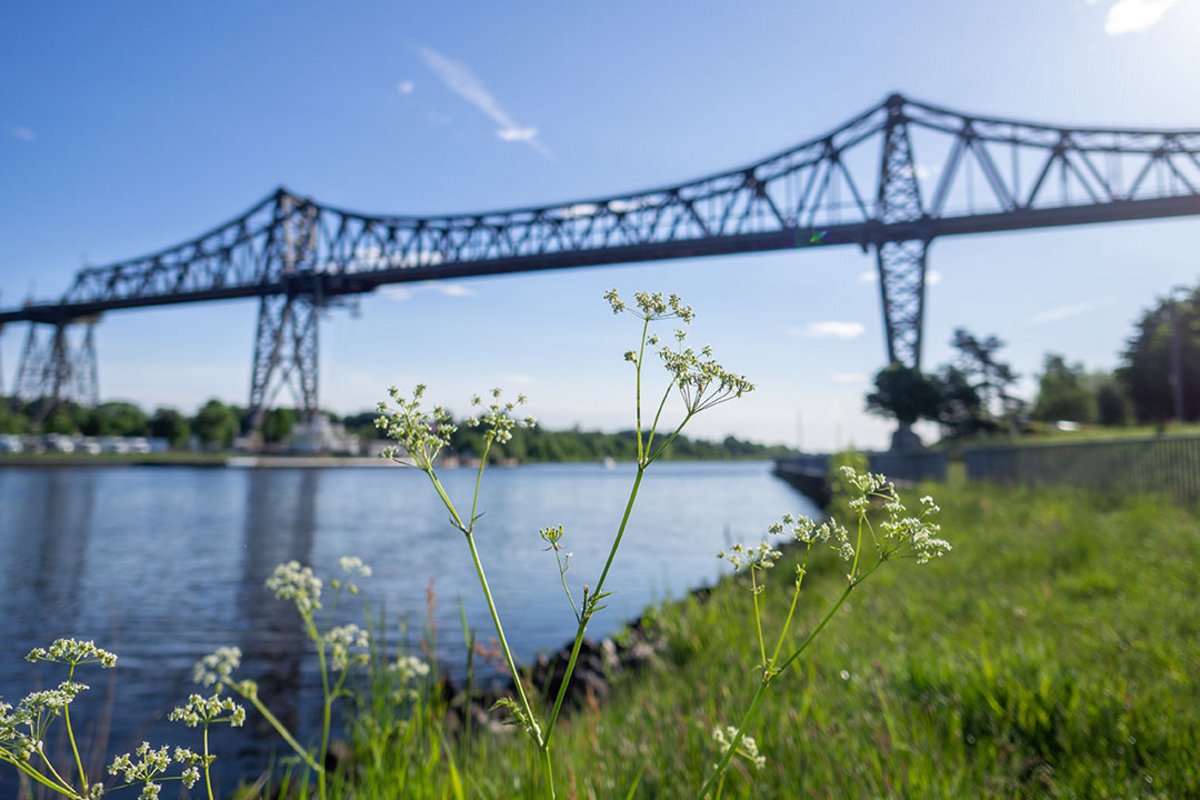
<point>285,354</point>
<point>286,344</point>
<point>54,370</point>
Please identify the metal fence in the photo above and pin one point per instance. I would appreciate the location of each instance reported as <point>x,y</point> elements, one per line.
<point>912,467</point>
<point>1168,465</point>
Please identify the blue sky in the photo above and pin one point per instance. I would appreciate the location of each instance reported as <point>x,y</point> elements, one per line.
<point>126,127</point>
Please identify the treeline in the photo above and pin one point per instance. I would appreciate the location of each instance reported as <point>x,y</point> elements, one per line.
<point>531,445</point>
<point>1157,380</point>
<point>216,425</point>
<point>539,444</point>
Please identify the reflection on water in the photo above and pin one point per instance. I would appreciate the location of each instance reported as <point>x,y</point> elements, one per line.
<point>280,524</point>
<point>165,565</point>
<point>48,565</point>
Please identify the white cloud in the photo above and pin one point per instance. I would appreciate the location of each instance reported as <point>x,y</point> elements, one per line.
<point>24,134</point>
<point>933,277</point>
<point>834,329</point>
<point>405,87</point>
<point>459,79</point>
<point>1130,16</point>
<point>849,377</point>
<point>517,134</point>
<point>398,293</point>
<point>406,292</point>
<point>1071,310</point>
<point>450,289</point>
<point>516,378</point>
<point>868,276</point>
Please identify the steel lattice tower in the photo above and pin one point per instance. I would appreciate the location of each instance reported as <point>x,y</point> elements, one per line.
<point>901,263</point>
<point>54,370</point>
<point>286,341</point>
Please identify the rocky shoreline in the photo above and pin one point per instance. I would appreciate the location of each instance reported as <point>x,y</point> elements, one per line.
<point>598,666</point>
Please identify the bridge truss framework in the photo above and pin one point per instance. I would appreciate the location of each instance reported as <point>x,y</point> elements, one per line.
<point>890,180</point>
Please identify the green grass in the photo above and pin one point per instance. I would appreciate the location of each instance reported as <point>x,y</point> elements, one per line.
<point>1054,653</point>
<point>1046,434</point>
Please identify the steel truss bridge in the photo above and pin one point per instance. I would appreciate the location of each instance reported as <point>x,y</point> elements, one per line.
<point>890,180</point>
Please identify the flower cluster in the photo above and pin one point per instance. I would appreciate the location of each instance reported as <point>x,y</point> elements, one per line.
<point>420,434</point>
<point>652,306</point>
<point>340,641</point>
<point>702,381</point>
<point>404,671</point>
<point>552,537</point>
<point>805,530</point>
<point>201,710</point>
<point>908,535</point>
<point>73,652</point>
<point>351,566</point>
<point>760,556</point>
<point>146,765</point>
<point>747,748</point>
<point>496,419</point>
<point>215,668</point>
<point>292,582</point>
<point>20,744</point>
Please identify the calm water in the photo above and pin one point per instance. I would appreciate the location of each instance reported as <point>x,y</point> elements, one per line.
<point>163,565</point>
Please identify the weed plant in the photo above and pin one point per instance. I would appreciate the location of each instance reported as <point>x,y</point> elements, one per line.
<point>700,383</point>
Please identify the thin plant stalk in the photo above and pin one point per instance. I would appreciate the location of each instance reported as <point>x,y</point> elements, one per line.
<point>71,738</point>
<point>769,676</point>
<point>468,531</point>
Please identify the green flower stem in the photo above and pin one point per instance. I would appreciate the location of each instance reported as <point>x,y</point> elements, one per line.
<point>727,756</point>
<point>662,449</point>
<point>468,531</point>
<point>207,776</point>
<point>760,692</point>
<point>508,657</point>
<point>787,662</point>
<point>638,389</point>
<point>66,789</point>
<point>437,485</point>
<point>27,768</point>
<point>762,647</point>
<point>327,708</point>
<point>487,446</point>
<point>658,415</point>
<point>549,767</point>
<point>585,617</point>
<point>83,782</point>
<point>279,727</point>
<point>787,623</point>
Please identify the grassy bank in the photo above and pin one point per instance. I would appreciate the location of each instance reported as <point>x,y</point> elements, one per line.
<point>1054,653</point>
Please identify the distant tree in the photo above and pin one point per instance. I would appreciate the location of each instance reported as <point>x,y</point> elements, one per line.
<point>903,394</point>
<point>278,424</point>
<point>216,424</point>
<point>12,418</point>
<point>169,424</point>
<point>1112,405</point>
<point>66,417</point>
<point>117,418</point>
<point>1065,392</point>
<point>960,408</point>
<point>991,377</point>
<point>1147,367</point>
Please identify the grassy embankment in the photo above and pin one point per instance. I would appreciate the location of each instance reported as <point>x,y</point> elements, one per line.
<point>1054,653</point>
